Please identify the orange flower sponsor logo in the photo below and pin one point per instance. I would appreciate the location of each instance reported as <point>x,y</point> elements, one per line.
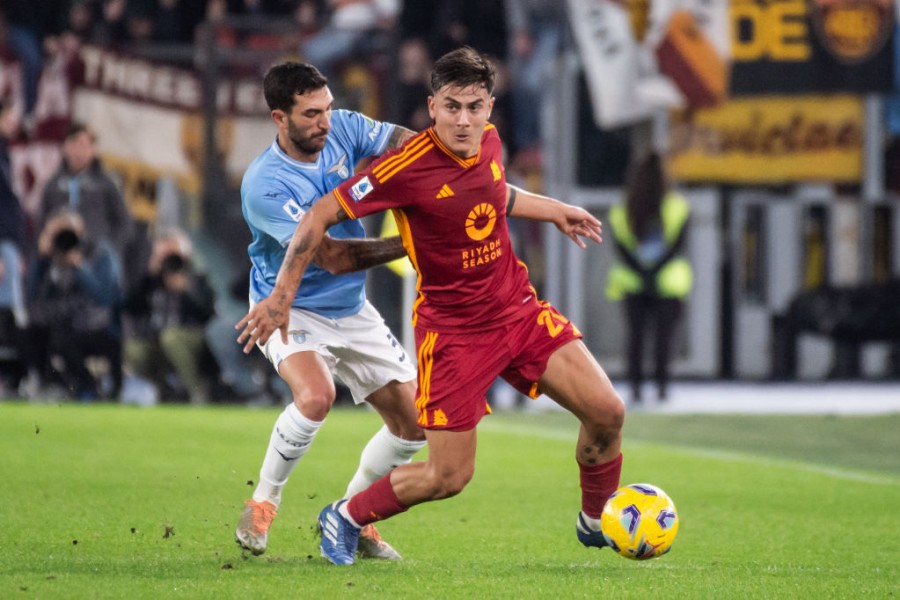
<point>480,222</point>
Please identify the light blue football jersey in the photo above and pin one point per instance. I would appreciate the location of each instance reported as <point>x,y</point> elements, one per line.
<point>275,192</point>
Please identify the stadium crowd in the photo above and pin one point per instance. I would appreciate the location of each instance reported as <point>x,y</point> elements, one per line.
<point>93,298</point>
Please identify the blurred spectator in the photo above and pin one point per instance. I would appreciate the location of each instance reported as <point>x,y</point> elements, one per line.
<point>349,31</point>
<point>81,20</point>
<point>477,23</point>
<point>177,20</point>
<point>167,315</point>
<point>482,25</point>
<point>140,20</point>
<point>651,276</point>
<point>252,7</point>
<point>536,32</point>
<point>74,298</point>
<point>12,96</point>
<point>84,186</point>
<point>37,156</point>
<point>26,26</point>
<point>13,314</point>
<point>413,84</point>
<point>111,25</point>
<point>416,19</point>
<point>248,377</point>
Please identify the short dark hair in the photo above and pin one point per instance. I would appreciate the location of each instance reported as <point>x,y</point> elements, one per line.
<point>285,80</point>
<point>77,128</point>
<point>462,67</point>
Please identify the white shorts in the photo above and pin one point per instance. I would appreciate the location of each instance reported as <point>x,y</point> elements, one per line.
<point>359,350</point>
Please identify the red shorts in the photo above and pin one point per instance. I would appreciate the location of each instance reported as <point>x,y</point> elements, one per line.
<point>456,369</point>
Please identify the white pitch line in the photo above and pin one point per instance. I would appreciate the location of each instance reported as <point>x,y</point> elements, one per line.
<point>720,455</point>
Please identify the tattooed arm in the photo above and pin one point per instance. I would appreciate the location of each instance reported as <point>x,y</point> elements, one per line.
<point>271,314</point>
<point>346,256</point>
<point>399,135</point>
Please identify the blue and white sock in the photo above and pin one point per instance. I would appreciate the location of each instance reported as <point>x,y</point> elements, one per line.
<point>292,436</point>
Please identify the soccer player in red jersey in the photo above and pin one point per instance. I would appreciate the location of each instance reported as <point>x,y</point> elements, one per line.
<point>476,316</point>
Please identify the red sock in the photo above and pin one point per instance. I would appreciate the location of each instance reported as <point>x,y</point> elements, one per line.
<point>598,482</point>
<point>375,503</point>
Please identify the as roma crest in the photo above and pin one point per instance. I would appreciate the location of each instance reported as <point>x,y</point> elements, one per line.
<point>853,31</point>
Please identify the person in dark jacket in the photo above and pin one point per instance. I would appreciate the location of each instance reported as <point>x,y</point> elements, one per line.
<point>168,312</point>
<point>74,292</point>
<point>84,186</point>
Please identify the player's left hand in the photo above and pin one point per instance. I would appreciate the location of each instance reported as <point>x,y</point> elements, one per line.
<point>261,322</point>
<point>577,223</point>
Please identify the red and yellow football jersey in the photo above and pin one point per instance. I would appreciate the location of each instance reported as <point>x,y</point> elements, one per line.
<point>451,213</point>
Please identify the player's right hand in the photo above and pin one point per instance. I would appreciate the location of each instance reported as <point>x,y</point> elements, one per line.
<point>264,318</point>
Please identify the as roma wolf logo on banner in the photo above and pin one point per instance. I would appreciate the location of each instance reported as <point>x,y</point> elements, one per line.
<point>852,31</point>
<point>812,46</point>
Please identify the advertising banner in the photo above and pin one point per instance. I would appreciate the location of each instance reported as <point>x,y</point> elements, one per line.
<point>771,140</point>
<point>812,46</point>
<point>150,116</point>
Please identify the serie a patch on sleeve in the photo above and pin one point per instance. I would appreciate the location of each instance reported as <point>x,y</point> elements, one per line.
<point>293,209</point>
<point>361,189</point>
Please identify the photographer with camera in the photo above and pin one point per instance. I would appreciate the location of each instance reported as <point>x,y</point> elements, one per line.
<point>167,313</point>
<point>74,289</point>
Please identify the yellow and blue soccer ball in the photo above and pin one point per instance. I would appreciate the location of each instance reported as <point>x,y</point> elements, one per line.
<point>639,521</point>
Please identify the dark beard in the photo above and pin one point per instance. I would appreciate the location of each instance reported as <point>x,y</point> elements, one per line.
<point>305,145</point>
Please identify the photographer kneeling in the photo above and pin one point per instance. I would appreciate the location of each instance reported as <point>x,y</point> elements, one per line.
<point>74,291</point>
<point>167,312</point>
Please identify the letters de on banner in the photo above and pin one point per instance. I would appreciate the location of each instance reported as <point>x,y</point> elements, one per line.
<point>811,46</point>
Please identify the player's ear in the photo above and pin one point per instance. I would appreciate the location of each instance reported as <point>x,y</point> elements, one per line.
<point>431,107</point>
<point>279,116</point>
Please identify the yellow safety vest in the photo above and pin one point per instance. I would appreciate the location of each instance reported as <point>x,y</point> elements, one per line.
<point>675,278</point>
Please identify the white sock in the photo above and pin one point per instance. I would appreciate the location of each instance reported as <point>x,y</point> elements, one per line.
<point>344,512</point>
<point>594,524</point>
<point>384,452</point>
<point>291,438</point>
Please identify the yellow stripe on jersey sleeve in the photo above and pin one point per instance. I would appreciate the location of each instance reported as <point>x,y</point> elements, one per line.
<point>410,153</point>
<point>344,204</point>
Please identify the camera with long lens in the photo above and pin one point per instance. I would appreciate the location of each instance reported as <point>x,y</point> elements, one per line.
<point>172,264</point>
<point>64,242</point>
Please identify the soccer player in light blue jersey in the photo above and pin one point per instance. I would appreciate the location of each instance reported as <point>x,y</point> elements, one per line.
<point>334,330</point>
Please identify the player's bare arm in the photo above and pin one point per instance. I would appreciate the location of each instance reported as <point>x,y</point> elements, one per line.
<point>575,222</point>
<point>346,256</point>
<point>399,136</point>
<point>272,313</point>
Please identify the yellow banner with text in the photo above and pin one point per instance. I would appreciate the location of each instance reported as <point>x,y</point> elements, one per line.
<point>769,140</point>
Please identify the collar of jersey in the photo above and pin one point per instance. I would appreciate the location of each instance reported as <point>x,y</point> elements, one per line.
<point>283,156</point>
<point>465,162</point>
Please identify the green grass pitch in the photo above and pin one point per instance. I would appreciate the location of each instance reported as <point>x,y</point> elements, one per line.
<point>109,501</point>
